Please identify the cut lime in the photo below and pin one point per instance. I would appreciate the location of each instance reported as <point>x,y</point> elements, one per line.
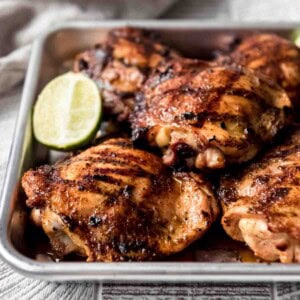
<point>296,37</point>
<point>67,112</point>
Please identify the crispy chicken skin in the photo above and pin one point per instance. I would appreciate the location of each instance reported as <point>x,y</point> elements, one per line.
<point>207,116</point>
<point>261,204</point>
<point>273,56</point>
<point>116,203</point>
<point>121,65</point>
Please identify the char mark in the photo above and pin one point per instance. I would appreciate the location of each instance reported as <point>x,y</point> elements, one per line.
<point>120,143</point>
<point>198,120</point>
<point>183,150</point>
<point>278,193</point>
<point>95,221</point>
<point>104,178</point>
<point>227,193</point>
<point>125,172</point>
<point>139,136</point>
<point>118,158</point>
<point>212,96</point>
<point>283,153</point>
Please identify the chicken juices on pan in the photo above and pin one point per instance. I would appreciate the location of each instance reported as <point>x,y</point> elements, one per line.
<point>274,57</point>
<point>116,203</point>
<point>261,204</point>
<point>121,65</point>
<point>208,116</point>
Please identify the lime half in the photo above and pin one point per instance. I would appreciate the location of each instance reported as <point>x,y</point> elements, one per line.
<point>67,112</point>
<point>296,37</point>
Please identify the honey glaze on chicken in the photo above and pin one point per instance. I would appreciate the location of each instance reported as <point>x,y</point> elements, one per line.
<point>113,202</point>
<point>261,204</point>
<point>120,66</point>
<point>208,116</point>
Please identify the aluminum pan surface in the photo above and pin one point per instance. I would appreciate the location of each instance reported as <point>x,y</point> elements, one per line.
<point>64,41</point>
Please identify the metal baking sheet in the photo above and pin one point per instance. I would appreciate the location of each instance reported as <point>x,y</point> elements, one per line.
<point>50,55</point>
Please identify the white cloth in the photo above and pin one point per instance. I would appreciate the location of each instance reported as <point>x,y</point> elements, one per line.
<point>21,21</point>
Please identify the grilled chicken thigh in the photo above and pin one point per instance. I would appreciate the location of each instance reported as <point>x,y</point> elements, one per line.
<point>113,203</point>
<point>120,66</point>
<point>261,205</point>
<point>207,116</point>
<point>273,56</point>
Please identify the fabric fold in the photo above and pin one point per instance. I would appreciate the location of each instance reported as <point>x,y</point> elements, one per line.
<point>22,21</point>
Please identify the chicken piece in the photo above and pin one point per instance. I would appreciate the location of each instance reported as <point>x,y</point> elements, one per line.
<point>116,203</point>
<point>121,65</point>
<point>261,204</point>
<point>207,116</point>
<point>274,57</point>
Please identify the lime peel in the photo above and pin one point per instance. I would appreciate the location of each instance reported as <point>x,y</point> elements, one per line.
<point>68,112</point>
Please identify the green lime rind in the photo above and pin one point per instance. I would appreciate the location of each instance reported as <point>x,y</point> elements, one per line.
<point>295,37</point>
<point>68,112</point>
<point>75,145</point>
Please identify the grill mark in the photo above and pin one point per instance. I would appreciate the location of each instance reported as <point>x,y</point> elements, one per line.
<point>231,79</point>
<point>281,185</point>
<point>213,101</point>
<point>292,180</point>
<point>104,178</point>
<point>231,76</point>
<point>186,67</point>
<point>113,158</point>
<point>221,91</point>
<point>108,160</point>
<point>283,153</point>
<point>249,95</point>
<point>278,193</point>
<point>256,42</point>
<point>132,158</point>
<point>268,198</point>
<point>107,155</point>
<point>134,170</point>
<point>126,172</point>
<point>278,49</point>
<point>88,184</point>
<point>245,56</point>
<point>98,175</point>
<point>206,94</point>
<point>120,143</point>
<point>287,176</point>
<point>215,117</point>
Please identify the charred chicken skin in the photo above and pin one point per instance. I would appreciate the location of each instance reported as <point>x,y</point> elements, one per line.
<point>261,204</point>
<point>207,116</point>
<point>116,203</point>
<point>121,65</point>
<point>272,56</point>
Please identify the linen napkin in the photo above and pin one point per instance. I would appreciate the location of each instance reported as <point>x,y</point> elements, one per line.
<point>21,21</point>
